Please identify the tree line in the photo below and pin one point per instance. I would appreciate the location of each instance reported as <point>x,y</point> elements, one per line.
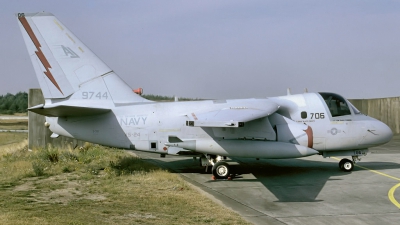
<point>10,104</point>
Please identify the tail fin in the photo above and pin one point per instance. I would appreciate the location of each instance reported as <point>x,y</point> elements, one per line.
<point>66,69</point>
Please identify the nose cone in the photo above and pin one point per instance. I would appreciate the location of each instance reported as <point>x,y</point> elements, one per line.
<point>377,134</point>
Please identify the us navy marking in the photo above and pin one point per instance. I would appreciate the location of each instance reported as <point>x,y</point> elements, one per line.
<point>133,120</point>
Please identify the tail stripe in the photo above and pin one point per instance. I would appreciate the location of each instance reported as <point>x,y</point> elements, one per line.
<point>39,52</point>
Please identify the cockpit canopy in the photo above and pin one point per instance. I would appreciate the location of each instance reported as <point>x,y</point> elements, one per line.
<point>337,105</point>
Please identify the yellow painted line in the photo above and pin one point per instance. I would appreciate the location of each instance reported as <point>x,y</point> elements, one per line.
<point>391,191</point>
<point>383,174</point>
<point>391,195</point>
<point>374,171</point>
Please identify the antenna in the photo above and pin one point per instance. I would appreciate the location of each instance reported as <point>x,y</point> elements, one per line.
<point>288,91</point>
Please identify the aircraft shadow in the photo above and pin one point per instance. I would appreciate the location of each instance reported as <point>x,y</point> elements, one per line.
<point>299,180</point>
<point>289,180</point>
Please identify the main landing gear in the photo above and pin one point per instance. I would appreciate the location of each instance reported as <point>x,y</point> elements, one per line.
<point>347,165</point>
<point>220,169</point>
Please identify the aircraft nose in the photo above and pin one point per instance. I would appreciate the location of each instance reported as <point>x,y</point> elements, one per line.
<point>378,133</point>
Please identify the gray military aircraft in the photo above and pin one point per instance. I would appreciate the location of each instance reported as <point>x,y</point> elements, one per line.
<point>86,100</point>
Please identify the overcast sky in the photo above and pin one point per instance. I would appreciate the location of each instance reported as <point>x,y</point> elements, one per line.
<point>224,49</point>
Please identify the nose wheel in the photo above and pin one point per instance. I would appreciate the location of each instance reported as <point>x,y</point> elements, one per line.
<point>346,165</point>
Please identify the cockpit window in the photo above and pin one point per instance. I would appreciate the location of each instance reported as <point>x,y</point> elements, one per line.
<point>337,104</point>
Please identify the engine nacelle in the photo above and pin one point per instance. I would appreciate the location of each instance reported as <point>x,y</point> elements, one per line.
<point>245,148</point>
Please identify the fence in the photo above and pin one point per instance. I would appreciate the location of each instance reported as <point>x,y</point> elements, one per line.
<point>383,109</point>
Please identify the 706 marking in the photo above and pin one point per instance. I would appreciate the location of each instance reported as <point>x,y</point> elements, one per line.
<point>317,115</point>
<point>91,95</point>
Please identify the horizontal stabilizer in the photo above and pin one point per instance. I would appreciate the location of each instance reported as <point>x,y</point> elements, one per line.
<point>64,110</point>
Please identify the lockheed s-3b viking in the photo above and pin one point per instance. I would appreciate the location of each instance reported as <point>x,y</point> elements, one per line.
<point>86,100</point>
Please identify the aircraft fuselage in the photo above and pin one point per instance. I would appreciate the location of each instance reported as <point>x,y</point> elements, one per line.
<point>149,126</point>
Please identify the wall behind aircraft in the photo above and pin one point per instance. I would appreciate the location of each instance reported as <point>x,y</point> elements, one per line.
<point>383,109</point>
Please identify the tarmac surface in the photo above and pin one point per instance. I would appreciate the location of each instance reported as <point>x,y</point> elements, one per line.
<point>309,190</point>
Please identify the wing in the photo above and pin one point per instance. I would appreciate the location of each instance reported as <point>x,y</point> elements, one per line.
<point>233,116</point>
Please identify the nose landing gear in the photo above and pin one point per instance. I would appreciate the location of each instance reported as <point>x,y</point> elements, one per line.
<point>346,165</point>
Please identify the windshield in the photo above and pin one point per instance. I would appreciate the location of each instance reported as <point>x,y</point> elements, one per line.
<point>337,105</point>
<point>355,110</point>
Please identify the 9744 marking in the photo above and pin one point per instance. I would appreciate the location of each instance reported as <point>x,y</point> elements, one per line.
<point>94,95</point>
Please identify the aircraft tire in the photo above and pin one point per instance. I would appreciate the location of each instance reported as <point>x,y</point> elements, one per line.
<point>221,170</point>
<point>346,165</point>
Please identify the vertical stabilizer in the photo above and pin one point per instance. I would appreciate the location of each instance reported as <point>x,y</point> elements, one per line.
<point>65,67</point>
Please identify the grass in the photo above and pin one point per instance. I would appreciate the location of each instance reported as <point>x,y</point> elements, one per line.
<point>98,185</point>
<point>11,137</point>
<point>15,114</point>
<point>11,141</point>
<point>13,124</point>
